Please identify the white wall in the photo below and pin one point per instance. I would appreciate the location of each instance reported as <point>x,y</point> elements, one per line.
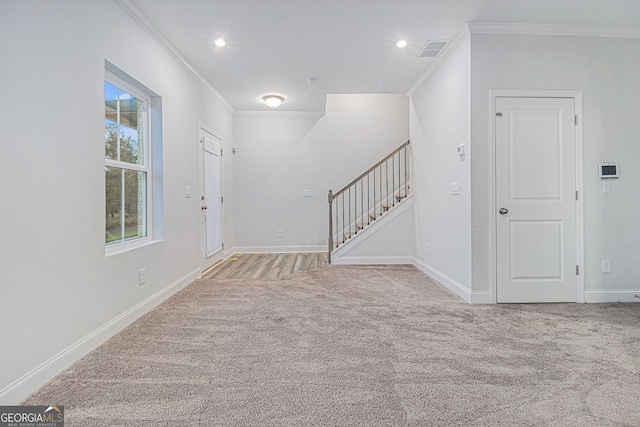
<point>57,286</point>
<point>440,122</point>
<point>606,71</point>
<point>282,154</point>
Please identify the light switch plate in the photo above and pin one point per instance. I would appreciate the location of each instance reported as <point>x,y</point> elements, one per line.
<point>187,191</point>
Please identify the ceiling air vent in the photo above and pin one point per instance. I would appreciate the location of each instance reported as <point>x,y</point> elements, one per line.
<point>432,48</point>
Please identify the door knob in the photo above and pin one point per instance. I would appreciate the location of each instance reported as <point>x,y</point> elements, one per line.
<point>503,211</point>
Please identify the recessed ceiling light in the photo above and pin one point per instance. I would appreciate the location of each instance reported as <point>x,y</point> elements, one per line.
<point>220,42</point>
<point>312,80</point>
<point>273,101</point>
<point>402,44</point>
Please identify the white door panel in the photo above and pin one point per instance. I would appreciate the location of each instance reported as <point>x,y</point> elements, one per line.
<point>211,199</point>
<point>535,155</point>
<point>541,241</point>
<point>535,188</point>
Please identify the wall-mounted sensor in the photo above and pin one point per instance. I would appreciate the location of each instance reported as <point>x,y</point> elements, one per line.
<point>461,151</point>
<point>608,170</point>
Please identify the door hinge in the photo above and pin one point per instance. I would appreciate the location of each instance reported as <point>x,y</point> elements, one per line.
<point>221,199</point>
<point>577,270</point>
<point>223,245</point>
<point>576,119</point>
<point>576,194</point>
<point>498,114</point>
<point>221,152</point>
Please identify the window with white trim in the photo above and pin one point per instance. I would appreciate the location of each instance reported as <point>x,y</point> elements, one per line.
<point>128,173</point>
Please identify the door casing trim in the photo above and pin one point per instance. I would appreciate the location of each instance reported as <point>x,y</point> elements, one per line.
<point>202,127</point>
<point>577,97</point>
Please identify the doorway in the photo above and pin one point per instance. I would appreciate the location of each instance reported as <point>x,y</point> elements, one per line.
<point>211,199</point>
<point>537,212</point>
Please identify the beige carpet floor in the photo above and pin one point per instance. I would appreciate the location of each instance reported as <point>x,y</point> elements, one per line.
<point>357,346</point>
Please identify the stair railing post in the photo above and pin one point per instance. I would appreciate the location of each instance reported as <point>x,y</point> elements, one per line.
<point>330,225</point>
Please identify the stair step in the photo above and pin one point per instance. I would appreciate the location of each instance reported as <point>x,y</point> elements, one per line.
<point>373,216</point>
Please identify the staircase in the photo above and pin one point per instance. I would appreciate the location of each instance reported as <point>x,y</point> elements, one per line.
<point>368,197</point>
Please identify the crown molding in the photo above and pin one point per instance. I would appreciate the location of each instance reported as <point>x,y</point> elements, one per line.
<point>550,30</point>
<point>146,24</point>
<point>518,29</point>
<point>461,36</point>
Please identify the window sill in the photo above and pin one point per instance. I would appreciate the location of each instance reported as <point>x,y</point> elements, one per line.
<point>128,246</point>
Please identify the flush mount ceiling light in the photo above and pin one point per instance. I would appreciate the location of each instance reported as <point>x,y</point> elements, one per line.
<point>220,42</point>
<point>273,101</point>
<point>402,44</point>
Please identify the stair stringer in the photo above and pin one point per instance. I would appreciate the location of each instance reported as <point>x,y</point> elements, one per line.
<point>387,240</point>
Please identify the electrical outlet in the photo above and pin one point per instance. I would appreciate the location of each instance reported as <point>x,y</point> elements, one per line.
<point>426,247</point>
<point>143,275</point>
<point>455,188</point>
<point>307,193</point>
<point>279,234</point>
<point>606,266</point>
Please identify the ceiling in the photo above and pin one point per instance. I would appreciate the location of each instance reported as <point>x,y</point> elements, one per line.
<point>274,46</point>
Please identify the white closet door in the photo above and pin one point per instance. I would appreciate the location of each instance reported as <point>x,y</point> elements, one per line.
<point>536,202</point>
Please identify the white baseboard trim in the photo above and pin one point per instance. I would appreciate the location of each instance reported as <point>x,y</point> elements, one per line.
<point>449,283</point>
<point>280,249</point>
<point>481,297</point>
<point>36,378</point>
<point>611,295</point>
<point>372,260</point>
<point>228,253</point>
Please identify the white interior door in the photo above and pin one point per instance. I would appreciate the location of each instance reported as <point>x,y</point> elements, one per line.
<point>211,198</point>
<point>536,200</point>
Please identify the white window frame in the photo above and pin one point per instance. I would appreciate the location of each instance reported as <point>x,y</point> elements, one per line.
<point>146,166</point>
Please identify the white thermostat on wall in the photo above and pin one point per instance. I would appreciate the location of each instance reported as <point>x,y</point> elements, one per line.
<point>608,170</point>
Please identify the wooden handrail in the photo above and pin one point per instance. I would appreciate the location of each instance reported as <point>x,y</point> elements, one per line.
<point>346,187</point>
